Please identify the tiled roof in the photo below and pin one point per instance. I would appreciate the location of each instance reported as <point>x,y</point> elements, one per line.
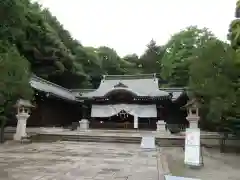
<point>141,87</point>
<point>48,87</point>
<point>176,92</point>
<point>146,86</point>
<point>134,77</point>
<point>79,92</point>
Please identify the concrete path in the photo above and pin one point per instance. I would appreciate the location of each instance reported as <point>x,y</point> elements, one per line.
<point>78,161</point>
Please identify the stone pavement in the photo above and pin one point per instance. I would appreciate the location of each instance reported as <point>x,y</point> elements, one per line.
<point>217,166</point>
<point>78,161</point>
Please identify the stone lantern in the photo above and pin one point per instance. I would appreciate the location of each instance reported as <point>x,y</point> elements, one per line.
<point>84,123</point>
<point>23,112</point>
<point>193,113</point>
<point>193,155</point>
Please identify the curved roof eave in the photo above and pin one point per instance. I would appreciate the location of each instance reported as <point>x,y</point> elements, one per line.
<point>122,89</point>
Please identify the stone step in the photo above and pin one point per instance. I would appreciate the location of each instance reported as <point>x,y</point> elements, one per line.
<point>163,142</point>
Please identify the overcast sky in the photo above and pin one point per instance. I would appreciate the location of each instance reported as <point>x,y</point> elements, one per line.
<point>128,25</point>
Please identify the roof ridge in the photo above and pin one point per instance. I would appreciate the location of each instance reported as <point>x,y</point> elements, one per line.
<point>34,77</point>
<point>81,89</point>
<point>133,76</point>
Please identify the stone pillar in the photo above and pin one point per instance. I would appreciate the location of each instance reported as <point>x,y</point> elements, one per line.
<point>84,125</point>
<point>135,123</point>
<point>193,155</point>
<point>21,126</point>
<point>161,126</point>
<point>193,121</point>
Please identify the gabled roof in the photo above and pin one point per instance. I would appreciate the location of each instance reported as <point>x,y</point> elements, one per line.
<point>141,85</point>
<point>48,87</point>
<point>147,85</point>
<point>175,92</point>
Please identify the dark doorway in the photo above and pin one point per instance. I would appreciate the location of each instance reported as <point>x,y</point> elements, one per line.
<point>147,123</point>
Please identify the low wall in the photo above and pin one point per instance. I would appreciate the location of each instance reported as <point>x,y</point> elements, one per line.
<point>215,142</point>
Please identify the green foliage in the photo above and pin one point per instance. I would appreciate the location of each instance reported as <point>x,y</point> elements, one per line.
<point>234,37</point>
<point>151,58</point>
<point>212,74</point>
<point>14,78</point>
<point>179,52</point>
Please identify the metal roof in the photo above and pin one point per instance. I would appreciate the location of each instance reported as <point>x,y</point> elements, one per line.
<point>141,87</point>
<point>147,85</point>
<point>134,76</point>
<point>48,87</point>
<point>176,92</point>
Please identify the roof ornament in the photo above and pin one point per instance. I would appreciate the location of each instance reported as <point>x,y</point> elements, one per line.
<point>154,76</point>
<point>120,85</point>
<point>104,77</point>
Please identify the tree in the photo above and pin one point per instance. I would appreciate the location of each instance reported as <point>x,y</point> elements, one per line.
<point>212,73</point>
<point>151,59</point>
<point>234,37</point>
<point>14,80</point>
<point>179,52</point>
<point>131,64</point>
<point>110,60</point>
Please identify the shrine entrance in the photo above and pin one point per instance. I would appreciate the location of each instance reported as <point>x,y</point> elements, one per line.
<point>122,120</point>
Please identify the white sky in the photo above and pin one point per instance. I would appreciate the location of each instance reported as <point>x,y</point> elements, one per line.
<point>129,25</point>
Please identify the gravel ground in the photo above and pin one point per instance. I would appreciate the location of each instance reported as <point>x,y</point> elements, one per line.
<point>78,161</point>
<point>217,166</point>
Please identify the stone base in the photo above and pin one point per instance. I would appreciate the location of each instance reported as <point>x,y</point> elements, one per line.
<point>161,127</point>
<point>84,125</point>
<point>16,137</point>
<point>199,166</point>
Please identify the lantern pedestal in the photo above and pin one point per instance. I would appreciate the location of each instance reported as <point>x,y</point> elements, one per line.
<point>84,125</point>
<point>193,121</point>
<point>21,126</point>
<point>161,127</point>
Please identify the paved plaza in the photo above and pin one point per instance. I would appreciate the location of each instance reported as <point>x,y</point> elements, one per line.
<point>217,166</point>
<point>78,161</point>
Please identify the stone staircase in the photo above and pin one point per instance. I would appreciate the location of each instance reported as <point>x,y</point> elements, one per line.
<point>163,142</point>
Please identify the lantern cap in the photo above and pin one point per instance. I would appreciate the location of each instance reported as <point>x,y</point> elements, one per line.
<point>192,103</point>
<point>23,103</point>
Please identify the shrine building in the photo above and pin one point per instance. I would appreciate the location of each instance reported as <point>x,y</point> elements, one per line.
<point>120,101</point>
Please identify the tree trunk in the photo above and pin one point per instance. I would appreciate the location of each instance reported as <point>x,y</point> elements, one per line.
<point>3,123</point>
<point>2,134</point>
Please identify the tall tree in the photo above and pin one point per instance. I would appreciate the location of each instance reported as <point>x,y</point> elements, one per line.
<point>234,37</point>
<point>151,59</point>
<point>180,50</point>
<point>131,64</point>
<point>212,73</point>
<point>110,60</point>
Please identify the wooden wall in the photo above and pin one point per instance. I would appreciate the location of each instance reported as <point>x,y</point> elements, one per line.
<point>54,112</point>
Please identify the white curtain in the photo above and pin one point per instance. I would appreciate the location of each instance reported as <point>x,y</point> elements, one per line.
<point>133,109</point>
